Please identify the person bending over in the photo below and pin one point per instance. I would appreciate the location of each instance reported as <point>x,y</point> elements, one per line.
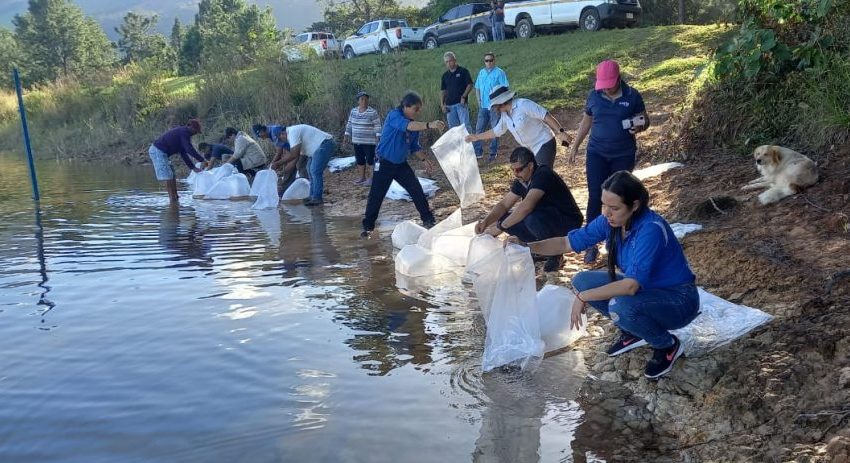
<point>545,207</point>
<point>654,290</point>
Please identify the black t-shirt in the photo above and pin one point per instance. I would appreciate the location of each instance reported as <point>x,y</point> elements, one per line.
<point>556,195</point>
<point>454,83</point>
<point>499,11</point>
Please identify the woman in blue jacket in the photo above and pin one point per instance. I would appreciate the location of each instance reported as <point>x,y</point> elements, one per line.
<point>399,139</point>
<point>654,290</point>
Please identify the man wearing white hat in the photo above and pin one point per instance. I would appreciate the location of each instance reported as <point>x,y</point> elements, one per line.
<point>531,125</point>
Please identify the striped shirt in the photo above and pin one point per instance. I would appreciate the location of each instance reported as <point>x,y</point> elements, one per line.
<point>364,128</point>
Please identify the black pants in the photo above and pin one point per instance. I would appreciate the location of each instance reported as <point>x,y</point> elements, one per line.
<point>381,181</point>
<point>545,156</point>
<point>250,173</point>
<point>542,223</point>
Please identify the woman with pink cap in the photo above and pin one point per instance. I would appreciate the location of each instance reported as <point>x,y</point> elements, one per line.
<point>613,114</point>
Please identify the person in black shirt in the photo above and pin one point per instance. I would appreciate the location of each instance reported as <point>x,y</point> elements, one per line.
<point>546,207</point>
<point>454,91</point>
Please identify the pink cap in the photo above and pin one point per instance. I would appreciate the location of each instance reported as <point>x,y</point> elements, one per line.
<point>607,74</point>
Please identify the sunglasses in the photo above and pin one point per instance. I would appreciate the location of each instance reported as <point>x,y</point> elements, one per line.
<point>489,60</point>
<point>517,170</point>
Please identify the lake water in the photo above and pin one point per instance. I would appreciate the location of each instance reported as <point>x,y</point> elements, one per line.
<point>133,332</point>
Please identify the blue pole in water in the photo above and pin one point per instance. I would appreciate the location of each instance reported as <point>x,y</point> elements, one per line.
<point>35,194</point>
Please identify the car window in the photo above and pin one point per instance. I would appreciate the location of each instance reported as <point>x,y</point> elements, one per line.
<point>464,11</point>
<point>402,23</point>
<point>480,8</point>
<point>451,14</point>
<point>364,29</point>
<point>393,23</point>
<point>374,26</point>
<point>301,38</point>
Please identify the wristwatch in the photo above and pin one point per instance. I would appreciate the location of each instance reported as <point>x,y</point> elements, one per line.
<point>428,125</point>
<point>562,130</point>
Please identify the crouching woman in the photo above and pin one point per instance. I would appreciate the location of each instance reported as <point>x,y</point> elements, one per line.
<point>654,290</point>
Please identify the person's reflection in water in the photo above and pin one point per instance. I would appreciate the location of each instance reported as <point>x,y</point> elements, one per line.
<point>512,421</point>
<point>187,242</point>
<point>305,248</point>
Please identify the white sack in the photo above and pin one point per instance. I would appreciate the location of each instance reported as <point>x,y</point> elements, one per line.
<point>454,244</point>
<point>300,189</point>
<point>233,186</point>
<point>554,306</point>
<point>656,170</point>
<point>457,159</point>
<point>415,261</point>
<point>340,164</point>
<point>202,183</point>
<point>719,323</point>
<point>455,220</point>
<point>406,232</point>
<point>398,193</point>
<point>513,326</point>
<point>224,170</point>
<point>485,253</point>
<point>265,189</point>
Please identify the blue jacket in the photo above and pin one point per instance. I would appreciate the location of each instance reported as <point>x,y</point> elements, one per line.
<point>649,254</point>
<point>397,143</point>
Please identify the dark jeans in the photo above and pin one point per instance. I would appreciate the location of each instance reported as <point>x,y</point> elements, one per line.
<point>381,181</point>
<point>598,170</point>
<point>650,314</point>
<point>545,156</point>
<point>540,224</point>
<point>250,173</point>
<point>364,154</point>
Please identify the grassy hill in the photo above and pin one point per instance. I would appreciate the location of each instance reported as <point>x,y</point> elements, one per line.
<point>68,120</point>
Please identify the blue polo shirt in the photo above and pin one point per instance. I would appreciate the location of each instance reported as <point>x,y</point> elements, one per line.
<point>649,254</point>
<point>274,132</point>
<point>397,143</point>
<point>607,136</point>
<point>487,81</point>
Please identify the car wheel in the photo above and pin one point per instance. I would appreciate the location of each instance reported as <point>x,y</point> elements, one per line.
<point>384,47</point>
<point>589,20</point>
<point>431,42</point>
<point>349,53</point>
<point>480,35</point>
<point>524,28</point>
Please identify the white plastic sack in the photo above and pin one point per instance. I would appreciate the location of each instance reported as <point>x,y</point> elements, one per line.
<point>554,305</point>
<point>224,170</point>
<point>656,170</point>
<point>230,187</point>
<point>513,326</point>
<point>457,159</point>
<point>398,193</point>
<point>485,254</point>
<point>202,183</point>
<point>719,323</point>
<point>340,164</point>
<point>300,189</point>
<point>415,261</point>
<point>454,244</point>
<point>682,229</point>
<point>406,232</point>
<point>455,220</point>
<point>265,189</point>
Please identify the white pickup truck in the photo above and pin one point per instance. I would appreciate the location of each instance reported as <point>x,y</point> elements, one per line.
<point>382,36</point>
<point>524,17</point>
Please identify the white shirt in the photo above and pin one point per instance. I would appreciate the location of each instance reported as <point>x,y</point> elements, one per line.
<point>309,137</point>
<point>526,124</point>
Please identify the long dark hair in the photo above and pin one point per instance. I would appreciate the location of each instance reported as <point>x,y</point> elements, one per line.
<point>629,189</point>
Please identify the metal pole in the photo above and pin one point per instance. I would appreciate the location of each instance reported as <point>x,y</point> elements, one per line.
<point>35,195</point>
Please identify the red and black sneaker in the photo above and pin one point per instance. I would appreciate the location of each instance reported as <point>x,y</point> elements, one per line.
<point>663,359</point>
<point>626,343</point>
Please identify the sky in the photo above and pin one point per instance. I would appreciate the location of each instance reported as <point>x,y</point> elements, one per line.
<point>295,14</point>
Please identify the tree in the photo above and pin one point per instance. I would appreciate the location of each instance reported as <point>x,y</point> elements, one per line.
<point>10,56</point>
<point>176,35</point>
<point>136,39</point>
<point>58,40</point>
<point>190,52</point>
<point>234,34</point>
<point>346,17</point>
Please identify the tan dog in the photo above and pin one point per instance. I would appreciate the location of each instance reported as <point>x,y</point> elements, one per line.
<point>784,172</point>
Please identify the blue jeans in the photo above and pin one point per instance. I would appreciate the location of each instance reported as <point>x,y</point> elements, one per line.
<point>498,30</point>
<point>317,164</point>
<point>650,314</point>
<point>458,114</point>
<point>487,119</point>
<point>598,170</point>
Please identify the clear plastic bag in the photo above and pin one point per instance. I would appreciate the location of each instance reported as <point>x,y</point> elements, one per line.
<point>454,244</point>
<point>230,187</point>
<point>398,193</point>
<point>485,253</point>
<point>719,323</point>
<point>202,183</point>
<point>455,220</point>
<point>407,232</point>
<point>300,189</point>
<point>513,326</point>
<point>554,306</point>
<point>415,261</point>
<point>457,159</point>
<point>265,190</point>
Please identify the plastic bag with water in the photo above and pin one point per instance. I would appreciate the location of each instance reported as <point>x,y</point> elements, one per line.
<point>554,306</point>
<point>230,187</point>
<point>457,159</point>
<point>265,190</point>
<point>407,232</point>
<point>300,189</point>
<point>454,244</point>
<point>455,220</point>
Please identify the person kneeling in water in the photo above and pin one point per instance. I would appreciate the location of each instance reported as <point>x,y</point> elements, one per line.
<point>655,290</point>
